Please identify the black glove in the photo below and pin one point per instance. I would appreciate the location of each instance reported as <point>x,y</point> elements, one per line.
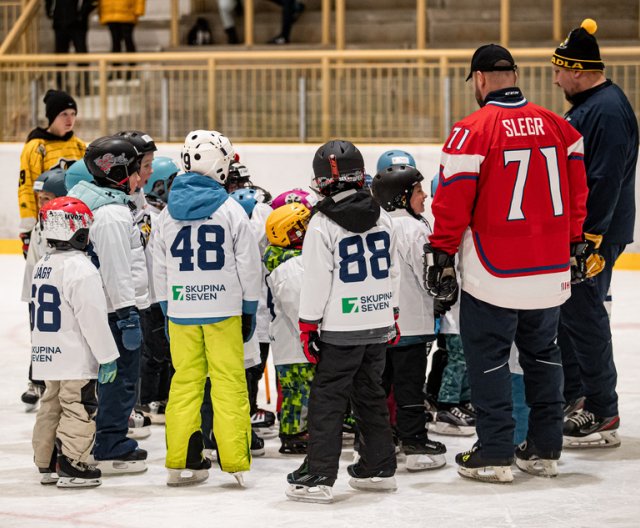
<point>248,326</point>
<point>440,277</point>
<point>440,307</point>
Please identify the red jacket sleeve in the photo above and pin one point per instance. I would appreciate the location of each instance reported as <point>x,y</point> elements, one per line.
<point>578,190</point>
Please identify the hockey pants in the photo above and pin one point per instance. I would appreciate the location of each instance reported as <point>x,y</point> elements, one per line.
<point>405,372</point>
<point>66,412</point>
<point>116,401</point>
<point>454,387</point>
<point>345,372</point>
<point>488,332</point>
<point>295,382</point>
<point>217,349</point>
<point>156,369</point>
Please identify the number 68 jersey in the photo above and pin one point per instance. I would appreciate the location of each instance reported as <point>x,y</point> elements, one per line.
<point>70,334</point>
<point>351,280</point>
<point>512,194</point>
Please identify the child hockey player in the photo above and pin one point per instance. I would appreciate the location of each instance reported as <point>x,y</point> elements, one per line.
<point>118,250</point>
<point>286,227</point>
<point>398,190</point>
<point>156,369</point>
<point>348,304</point>
<point>69,338</point>
<point>207,271</point>
<point>49,185</point>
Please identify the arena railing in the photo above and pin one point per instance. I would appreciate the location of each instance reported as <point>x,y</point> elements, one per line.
<point>398,96</point>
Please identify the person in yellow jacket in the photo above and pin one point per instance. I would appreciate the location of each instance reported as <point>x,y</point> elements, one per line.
<point>121,16</point>
<point>46,148</point>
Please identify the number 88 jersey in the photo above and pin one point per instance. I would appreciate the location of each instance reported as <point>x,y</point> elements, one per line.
<point>350,279</point>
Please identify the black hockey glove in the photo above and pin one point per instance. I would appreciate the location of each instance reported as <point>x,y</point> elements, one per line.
<point>440,307</point>
<point>440,277</point>
<point>248,326</point>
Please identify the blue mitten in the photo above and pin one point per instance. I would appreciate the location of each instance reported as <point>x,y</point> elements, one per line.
<point>107,372</point>
<point>131,332</point>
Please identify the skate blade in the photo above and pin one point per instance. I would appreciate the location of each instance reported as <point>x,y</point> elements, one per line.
<point>317,494</point>
<point>266,432</point>
<point>139,433</point>
<point>383,484</point>
<point>600,439</point>
<point>186,477</point>
<point>447,429</point>
<point>424,462</point>
<point>538,468</point>
<point>121,467</point>
<point>494,474</point>
<point>47,479</point>
<point>239,476</point>
<point>73,482</point>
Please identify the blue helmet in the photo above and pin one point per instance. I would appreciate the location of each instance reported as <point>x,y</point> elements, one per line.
<point>51,181</point>
<point>76,173</point>
<point>164,170</point>
<point>246,198</point>
<point>434,185</point>
<point>394,157</point>
<point>368,180</point>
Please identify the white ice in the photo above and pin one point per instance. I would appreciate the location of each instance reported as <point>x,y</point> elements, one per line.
<point>594,488</point>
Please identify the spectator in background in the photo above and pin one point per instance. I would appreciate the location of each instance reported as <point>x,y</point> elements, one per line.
<point>70,23</point>
<point>291,11</point>
<point>121,16</point>
<point>227,9</point>
<point>200,34</point>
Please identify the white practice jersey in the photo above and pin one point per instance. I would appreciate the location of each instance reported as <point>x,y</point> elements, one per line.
<point>416,305</point>
<point>37,248</point>
<point>351,280</point>
<point>117,243</point>
<point>252,352</point>
<point>258,224</point>
<point>70,333</point>
<point>285,283</point>
<point>205,268</point>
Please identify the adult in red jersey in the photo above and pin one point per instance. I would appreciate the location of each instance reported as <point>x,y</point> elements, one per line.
<point>512,197</point>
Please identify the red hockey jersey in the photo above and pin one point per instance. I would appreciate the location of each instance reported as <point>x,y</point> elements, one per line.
<point>512,195</point>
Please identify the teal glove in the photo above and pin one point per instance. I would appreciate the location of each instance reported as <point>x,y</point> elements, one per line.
<point>107,372</point>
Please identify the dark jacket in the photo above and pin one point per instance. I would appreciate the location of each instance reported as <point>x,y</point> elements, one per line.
<point>603,115</point>
<point>68,13</point>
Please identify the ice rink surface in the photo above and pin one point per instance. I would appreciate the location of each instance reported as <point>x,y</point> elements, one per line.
<point>594,488</point>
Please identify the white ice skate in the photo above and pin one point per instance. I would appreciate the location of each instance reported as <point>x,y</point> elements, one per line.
<point>48,477</point>
<point>472,464</point>
<point>239,476</point>
<point>211,454</point>
<point>538,467</point>
<point>454,422</point>
<point>75,474</point>
<point>31,397</point>
<point>583,429</point>
<point>134,462</point>
<point>139,426</point>
<point>263,423</point>
<point>424,462</point>
<point>381,481</point>
<point>598,439</point>
<point>424,455</point>
<point>155,411</point>
<point>186,477</point>
<point>318,494</point>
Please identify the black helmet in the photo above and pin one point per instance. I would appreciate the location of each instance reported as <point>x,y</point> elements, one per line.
<point>142,142</point>
<point>338,166</point>
<point>238,177</point>
<point>111,160</point>
<point>392,187</point>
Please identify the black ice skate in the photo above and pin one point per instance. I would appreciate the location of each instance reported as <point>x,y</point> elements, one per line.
<point>423,454</point>
<point>190,475</point>
<point>139,425</point>
<point>257,445</point>
<point>472,464</point>
<point>305,487</point>
<point>383,480</point>
<point>536,462</point>
<point>454,422</point>
<point>584,429</point>
<point>31,397</point>
<point>133,462</point>
<point>573,406</point>
<point>263,422</point>
<point>295,444</point>
<point>75,474</point>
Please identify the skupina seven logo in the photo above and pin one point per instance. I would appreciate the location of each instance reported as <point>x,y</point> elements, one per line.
<point>366,303</point>
<point>196,292</point>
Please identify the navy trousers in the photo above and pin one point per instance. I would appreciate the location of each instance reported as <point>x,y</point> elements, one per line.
<point>115,402</point>
<point>487,333</point>
<point>584,337</point>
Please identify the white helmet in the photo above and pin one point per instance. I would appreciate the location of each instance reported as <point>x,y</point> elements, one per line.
<point>209,153</point>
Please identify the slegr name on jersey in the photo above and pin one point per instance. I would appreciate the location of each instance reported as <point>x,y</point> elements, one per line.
<point>44,354</point>
<point>366,303</point>
<point>197,292</point>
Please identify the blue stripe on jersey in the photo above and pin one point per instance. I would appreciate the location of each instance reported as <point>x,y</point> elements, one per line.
<point>517,271</point>
<point>460,176</point>
<point>576,157</point>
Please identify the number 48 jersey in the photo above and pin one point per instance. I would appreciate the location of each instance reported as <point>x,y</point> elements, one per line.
<point>512,195</point>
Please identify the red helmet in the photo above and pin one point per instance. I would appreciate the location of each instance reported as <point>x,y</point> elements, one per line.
<point>66,221</point>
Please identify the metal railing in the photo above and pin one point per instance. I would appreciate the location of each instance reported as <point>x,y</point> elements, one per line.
<point>23,25</point>
<point>277,96</point>
<point>9,13</point>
